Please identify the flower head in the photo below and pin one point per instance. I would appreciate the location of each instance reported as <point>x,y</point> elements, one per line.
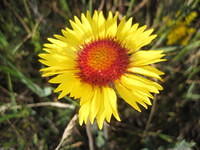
<point>181,31</point>
<point>98,58</point>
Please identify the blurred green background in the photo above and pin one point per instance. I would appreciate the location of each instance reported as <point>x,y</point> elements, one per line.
<point>32,119</point>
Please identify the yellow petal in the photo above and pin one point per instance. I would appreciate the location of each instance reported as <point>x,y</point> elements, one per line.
<point>101,116</point>
<point>107,107</point>
<point>142,57</point>
<point>62,77</point>
<point>67,84</point>
<point>57,42</point>
<point>86,24</point>
<point>131,39</point>
<point>101,113</point>
<point>63,93</point>
<point>86,94</point>
<point>84,113</point>
<point>96,102</point>
<point>126,95</point>
<point>112,99</point>
<point>71,38</point>
<point>123,29</point>
<point>141,82</point>
<point>137,97</point>
<point>111,25</point>
<point>147,71</point>
<point>52,73</point>
<point>67,87</point>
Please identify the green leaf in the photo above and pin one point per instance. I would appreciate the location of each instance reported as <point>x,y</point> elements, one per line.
<point>21,77</point>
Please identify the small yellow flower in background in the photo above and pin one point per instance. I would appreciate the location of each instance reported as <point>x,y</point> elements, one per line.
<point>99,58</point>
<point>191,17</point>
<point>181,32</point>
<point>178,33</point>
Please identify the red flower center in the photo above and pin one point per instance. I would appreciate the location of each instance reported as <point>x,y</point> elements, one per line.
<point>102,61</point>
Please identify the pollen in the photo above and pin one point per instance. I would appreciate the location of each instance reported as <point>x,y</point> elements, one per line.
<point>102,61</point>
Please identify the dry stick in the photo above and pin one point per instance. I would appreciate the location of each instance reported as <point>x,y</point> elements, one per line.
<point>22,22</point>
<point>39,20</point>
<point>29,35</point>
<point>28,30</point>
<point>89,134</point>
<point>18,17</point>
<point>105,130</point>
<point>101,5</point>
<point>4,90</point>
<point>14,129</point>
<point>57,10</point>
<point>68,131</point>
<point>144,2</point>
<point>42,104</point>
<point>21,43</point>
<point>150,116</point>
<point>54,104</point>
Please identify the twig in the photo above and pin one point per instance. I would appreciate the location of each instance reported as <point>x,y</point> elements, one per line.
<point>27,8</point>
<point>18,17</point>
<point>142,4</point>
<point>4,90</point>
<point>36,25</point>
<point>28,36</point>
<point>150,116</point>
<point>54,104</point>
<point>26,27</point>
<point>14,129</point>
<point>101,5</point>
<point>68,131</point>
<point>10,87</point>
<point>31,34</point>
<point>90,138</point>
<point>105,130</point>
<point>90,6</point>
<point>57,10</point>
<point>130,6</point>
<point>42,104</point>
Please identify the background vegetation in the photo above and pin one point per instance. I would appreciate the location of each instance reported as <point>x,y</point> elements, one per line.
<point>32,119</point>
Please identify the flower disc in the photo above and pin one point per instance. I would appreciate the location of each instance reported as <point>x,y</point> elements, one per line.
<point>102,61</point>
